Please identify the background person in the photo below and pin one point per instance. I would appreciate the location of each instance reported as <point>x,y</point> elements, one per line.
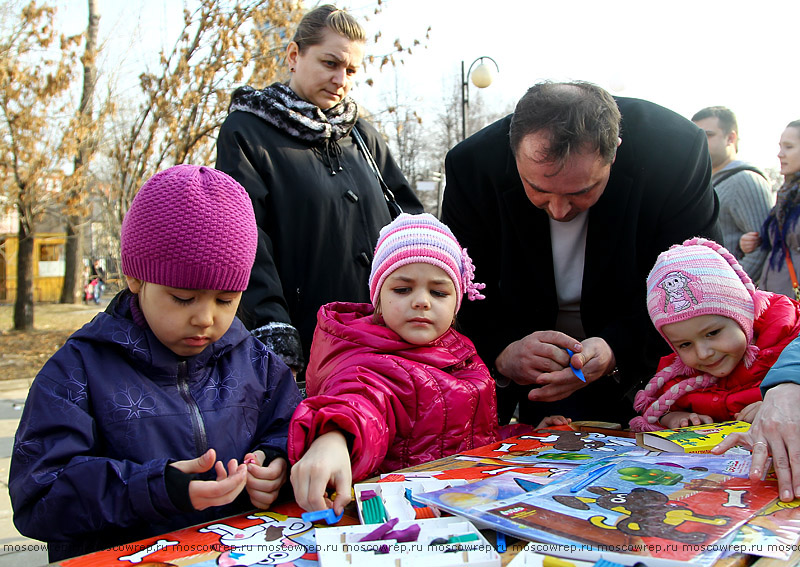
<point>564,224</point>
<point>140,424</point>
<point>99,274</point>
<point>745,194</point>
<point>318,204</point>
<point>725,336</point>
<point>781,236</point>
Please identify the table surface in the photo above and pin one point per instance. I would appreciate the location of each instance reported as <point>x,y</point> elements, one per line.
<point>514,546</point>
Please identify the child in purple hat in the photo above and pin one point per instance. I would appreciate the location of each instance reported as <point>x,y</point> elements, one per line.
<point>725,335</point>
<point>392,384</point>
<point>163,411</point>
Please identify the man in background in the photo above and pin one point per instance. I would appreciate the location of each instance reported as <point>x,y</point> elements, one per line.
<point>745,197</point>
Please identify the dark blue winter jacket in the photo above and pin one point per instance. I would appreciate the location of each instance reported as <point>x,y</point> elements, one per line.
<point>110,410</point>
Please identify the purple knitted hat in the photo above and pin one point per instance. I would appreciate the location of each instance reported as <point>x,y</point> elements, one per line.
<point>409,239</point>
<point>190,227</point>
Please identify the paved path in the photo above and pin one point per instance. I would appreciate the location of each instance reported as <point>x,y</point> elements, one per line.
<point>15,549</point>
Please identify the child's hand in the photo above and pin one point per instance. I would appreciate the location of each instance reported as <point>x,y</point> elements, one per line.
<point>206,493</point>
<point>748,414</point>
<point>263,483</point>
<point>326,463</point>
<point>676,419</point>
<point>554,420</point>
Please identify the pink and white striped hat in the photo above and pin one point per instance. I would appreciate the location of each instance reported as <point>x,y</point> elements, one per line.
<point>409,239</point>
<point>700,277</point>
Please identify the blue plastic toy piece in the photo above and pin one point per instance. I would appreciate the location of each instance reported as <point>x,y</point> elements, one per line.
<point>328,515</point>
<point>500,540</point>
<point>578,373</point>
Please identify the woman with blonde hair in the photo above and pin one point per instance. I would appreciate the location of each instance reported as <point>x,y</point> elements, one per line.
<point>321,179</point>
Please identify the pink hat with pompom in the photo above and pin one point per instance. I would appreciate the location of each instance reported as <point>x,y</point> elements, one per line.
<point>409,239</point>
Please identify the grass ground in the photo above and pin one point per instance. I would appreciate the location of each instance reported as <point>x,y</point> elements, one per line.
<point>24,353</point>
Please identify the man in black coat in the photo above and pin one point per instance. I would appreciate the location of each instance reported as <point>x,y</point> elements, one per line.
<point>563,224</point>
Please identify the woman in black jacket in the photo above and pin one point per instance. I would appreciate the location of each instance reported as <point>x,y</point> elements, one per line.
<point>318,202</point>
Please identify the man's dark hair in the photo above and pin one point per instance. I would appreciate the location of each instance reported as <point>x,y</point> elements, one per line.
<point>577,116</point>
<point>725,116</point>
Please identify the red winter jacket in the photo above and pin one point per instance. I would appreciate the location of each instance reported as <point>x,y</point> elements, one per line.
<point>776,325</point>
<point>401,404</point>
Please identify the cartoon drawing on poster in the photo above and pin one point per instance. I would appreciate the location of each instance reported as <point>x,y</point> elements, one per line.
<point>269,543</point>
<point>557,447</point>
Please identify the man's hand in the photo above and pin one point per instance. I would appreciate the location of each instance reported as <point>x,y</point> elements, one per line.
<point>594,357</point>
<point>749,413</point>
<point>539,353</point>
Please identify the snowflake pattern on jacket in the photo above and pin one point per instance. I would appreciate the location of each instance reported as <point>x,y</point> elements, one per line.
<point>110,410</point>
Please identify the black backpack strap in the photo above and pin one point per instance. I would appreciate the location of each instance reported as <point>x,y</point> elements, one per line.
<point>723,175</point>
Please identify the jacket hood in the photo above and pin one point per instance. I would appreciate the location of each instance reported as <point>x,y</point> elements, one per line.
<point>347,329</point>
<point>115,326</point>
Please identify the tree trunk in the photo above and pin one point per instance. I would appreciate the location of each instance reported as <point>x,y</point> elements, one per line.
<point>73,251</point>
<point>73,262</point>
<point>23,306</point>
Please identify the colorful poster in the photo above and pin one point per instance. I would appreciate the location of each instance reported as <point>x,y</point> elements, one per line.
<point>261,538</point>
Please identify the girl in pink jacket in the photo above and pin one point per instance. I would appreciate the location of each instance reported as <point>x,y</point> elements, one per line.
<point>393,385</point>
<point>725,335</point>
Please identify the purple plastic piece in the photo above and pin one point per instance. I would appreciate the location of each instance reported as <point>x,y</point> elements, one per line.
<point>411,533</point>
<point>379,532</point>
<point>368,494</point>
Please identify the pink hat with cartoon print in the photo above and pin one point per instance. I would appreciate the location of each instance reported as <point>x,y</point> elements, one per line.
<point>699,277</point>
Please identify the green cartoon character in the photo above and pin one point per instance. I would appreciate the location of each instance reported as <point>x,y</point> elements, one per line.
<point>563,456</point>
<point>645,477</point>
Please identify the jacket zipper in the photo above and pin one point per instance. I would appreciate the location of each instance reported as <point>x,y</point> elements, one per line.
<point>198,427</point>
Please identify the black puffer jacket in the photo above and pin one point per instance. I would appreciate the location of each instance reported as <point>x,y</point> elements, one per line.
<point>317,224</point>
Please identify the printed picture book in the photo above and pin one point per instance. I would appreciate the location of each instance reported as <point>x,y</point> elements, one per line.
<point>693,439</point>
<point>773,532</point>
<point>466,499</point>
<point>481,469</point>
<point>728,464</point>
<point>555,447</point>
<point>664,513</point>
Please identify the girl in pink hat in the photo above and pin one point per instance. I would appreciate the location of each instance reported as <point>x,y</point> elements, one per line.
<point>725,335</point>
<point>392,384</point>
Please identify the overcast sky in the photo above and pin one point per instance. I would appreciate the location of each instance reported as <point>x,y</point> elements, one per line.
<point>681,54</point>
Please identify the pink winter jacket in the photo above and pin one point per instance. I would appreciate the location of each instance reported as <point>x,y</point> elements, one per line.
<point>399,404</point>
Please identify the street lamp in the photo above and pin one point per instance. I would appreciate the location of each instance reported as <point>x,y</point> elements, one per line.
<point>481,78</point>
